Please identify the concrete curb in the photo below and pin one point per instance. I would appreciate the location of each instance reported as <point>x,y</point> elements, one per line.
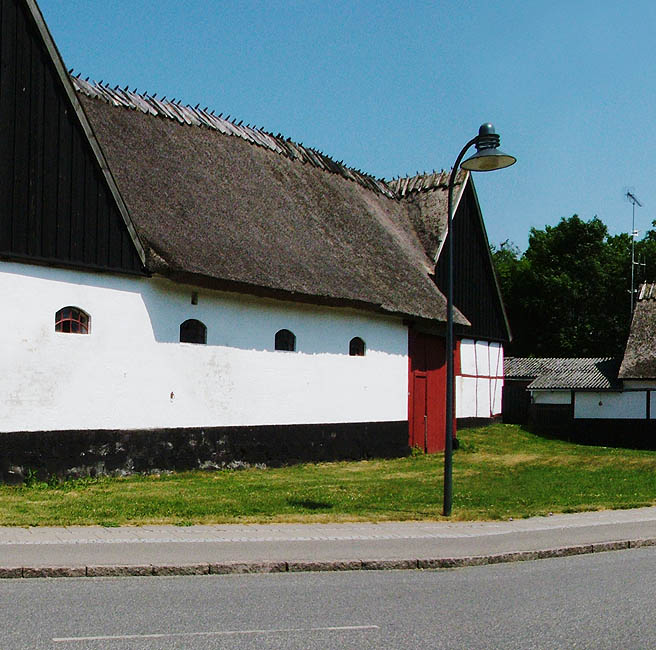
<point>226,568</point>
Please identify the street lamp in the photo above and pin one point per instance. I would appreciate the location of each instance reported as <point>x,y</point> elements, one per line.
<point>486,159</point>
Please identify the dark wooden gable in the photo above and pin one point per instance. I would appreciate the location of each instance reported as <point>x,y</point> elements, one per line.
<point>56,203</point>
<point>475,288</point>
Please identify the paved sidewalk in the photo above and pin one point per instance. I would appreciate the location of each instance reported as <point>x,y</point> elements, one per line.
<point>173,550</point>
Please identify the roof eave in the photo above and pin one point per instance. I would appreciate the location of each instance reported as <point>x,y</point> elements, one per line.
<point>235,286</point>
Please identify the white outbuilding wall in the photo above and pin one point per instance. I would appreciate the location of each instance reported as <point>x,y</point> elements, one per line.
<point>610,405</point>
<point>132,372</point>
<point>551,396</point>
<point>480,382</point>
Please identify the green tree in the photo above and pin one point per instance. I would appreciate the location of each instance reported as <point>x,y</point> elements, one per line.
<point>567,295</point>
<point>645,254</point>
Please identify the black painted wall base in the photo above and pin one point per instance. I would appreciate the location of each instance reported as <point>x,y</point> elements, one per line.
<point>551,419</point>
<point>474,423</point>
<point>633,434</point>
<point>97,452</point>
<point>557,421</point>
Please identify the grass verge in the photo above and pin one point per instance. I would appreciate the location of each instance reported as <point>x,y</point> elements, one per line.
<point>500,471</point>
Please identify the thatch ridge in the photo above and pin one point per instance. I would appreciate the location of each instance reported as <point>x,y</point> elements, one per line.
<point>195,116</point>
<point>403,186</point>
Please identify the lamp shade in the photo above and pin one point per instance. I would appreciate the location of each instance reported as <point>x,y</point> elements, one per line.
<point>488,156</point>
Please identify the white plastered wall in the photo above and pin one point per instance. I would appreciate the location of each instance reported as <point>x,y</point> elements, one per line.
<point>616,406</point>
<point>480,382</point>
<point>551,396</point>
<point>131,371</point>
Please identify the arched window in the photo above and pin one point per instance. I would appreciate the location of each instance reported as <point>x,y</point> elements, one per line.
<point>285,340</point>
<point>72,320</point>
<point>356,347</point>
<point>193,331</point>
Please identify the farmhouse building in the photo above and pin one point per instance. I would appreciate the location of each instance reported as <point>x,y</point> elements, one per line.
<point>180,290</point>
<point>597,399</point>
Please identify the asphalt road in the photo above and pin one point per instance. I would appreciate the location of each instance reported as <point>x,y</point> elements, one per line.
<point>605,600</point>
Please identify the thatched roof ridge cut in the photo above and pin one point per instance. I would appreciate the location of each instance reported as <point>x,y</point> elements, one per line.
<point>639,360</point>
<point>427,199</point>
<point>185,114</point>
<point>403,186</point>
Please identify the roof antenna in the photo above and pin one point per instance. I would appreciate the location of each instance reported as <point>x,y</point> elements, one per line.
<point>633,199</point>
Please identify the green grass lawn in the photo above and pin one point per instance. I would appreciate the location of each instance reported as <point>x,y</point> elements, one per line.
<point>500,471</point>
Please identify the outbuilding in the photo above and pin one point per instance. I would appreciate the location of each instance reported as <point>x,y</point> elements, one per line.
<point>597,400</point>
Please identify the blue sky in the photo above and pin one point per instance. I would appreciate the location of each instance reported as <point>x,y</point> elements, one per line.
<point>393,88</point>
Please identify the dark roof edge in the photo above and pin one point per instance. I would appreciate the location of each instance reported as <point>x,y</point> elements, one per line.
<point>489,255</point>
<point>71,265</point>
<point>63,75</point>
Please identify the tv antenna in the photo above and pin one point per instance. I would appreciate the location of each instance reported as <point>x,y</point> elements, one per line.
<point>633,199</point>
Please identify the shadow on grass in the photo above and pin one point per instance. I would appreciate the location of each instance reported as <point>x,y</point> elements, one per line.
<point>638,434</point>
<point>309,504</point>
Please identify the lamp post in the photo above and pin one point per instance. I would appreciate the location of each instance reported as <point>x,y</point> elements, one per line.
<point>487,158</point>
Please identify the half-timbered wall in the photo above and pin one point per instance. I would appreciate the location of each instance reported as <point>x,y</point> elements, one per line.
<point>55,204</point>
<point>479,383</point>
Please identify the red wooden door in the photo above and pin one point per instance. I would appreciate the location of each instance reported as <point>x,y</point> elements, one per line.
<point>426,391</point>
<point>419,423</point>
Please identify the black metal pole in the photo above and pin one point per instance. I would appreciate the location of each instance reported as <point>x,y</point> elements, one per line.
<point>450,348</point>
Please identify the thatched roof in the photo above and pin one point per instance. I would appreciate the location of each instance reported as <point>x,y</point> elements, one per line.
<point>639,360</point>
<point>238,212</point>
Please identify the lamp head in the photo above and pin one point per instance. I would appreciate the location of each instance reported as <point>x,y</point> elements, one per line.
<point>488,157</point>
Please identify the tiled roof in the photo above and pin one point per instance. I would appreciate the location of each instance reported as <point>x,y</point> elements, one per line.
<point>564,373</point>
<point>531,367</point>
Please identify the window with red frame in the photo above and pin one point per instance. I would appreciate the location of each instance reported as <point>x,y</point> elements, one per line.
<point>72,320</point>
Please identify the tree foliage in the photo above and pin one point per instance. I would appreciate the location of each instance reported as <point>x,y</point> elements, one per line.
<point>569,293</point>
